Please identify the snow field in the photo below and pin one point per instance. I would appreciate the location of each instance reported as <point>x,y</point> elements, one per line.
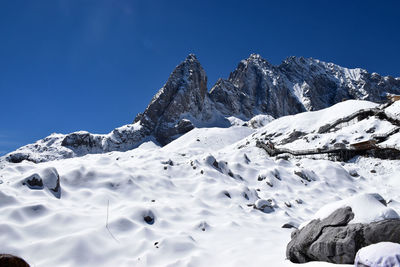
<point>195,202</point>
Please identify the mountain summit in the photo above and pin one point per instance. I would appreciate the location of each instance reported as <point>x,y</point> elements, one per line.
<point>179,104</point>
<point>255,87</point>
<point>298,84</point>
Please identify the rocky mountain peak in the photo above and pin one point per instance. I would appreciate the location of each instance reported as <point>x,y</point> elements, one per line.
<point>178,102</point>
<point>298,84</point>
<point>254,56</point>
<point>255,60</point>
<point>191,57</point>
<point>297,60</point>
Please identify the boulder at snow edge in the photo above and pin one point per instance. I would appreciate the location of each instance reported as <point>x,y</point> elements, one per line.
<point>335,240</point>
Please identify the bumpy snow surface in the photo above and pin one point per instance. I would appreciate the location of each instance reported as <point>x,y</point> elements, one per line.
<point>209,198</point>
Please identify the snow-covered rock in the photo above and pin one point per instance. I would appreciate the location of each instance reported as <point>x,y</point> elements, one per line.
<point>259,121</point>
<point>263,205</point>
<point>367,208</point>
<point>44,178</point>
<point>337,239</point>
<point>383,254</point>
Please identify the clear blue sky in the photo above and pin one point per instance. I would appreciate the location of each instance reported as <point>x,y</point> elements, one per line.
<point>70,65</point>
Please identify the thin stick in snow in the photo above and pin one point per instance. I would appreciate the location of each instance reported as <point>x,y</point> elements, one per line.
<point>108,229</point>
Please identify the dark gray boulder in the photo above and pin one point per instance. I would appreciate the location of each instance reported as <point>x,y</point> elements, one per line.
<point>334,240</point>
<point>17,157</point>
<point>34,181</point>
<point>8,260</point>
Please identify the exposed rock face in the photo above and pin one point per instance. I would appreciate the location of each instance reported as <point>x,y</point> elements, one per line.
<point>297,85</point>
<point>334,240</point>
<point>255,87</point>
<point>179,104</point>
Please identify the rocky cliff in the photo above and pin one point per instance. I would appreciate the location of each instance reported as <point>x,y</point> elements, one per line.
<point>296,85</point>
<point>180,105</point>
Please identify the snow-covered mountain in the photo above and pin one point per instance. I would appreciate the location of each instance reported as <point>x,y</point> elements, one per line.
<point>255,88</point>
<point>298,84</point>
<point>212,197</point>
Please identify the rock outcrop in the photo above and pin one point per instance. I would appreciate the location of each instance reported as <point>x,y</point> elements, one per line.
<point>46,178</point>
<point>335,240</point>
<point>255,87</point>
<point>180,104</point>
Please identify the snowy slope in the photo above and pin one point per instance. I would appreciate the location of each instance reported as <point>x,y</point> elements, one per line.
<point>189,203</point>
<point>339,126</point>
<point>60,146</point>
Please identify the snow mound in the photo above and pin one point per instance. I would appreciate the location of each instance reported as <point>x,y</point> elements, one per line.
<point>367,208</point>
<point>202,140</point>
<point>312,121</point>
<point>383,254</point>
<point>394,109</point>
<point>259,121</point>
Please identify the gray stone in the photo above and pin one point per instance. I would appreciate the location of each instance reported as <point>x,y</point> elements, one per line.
<point>288,226</point>
<point>335,240</point>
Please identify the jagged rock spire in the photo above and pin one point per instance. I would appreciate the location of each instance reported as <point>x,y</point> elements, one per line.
<point>254,88</point>
<point>183,93</point>
<point>191,57</point>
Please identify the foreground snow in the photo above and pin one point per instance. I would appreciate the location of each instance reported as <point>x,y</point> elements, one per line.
<point>384,254</point>
<point>199,189</point>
